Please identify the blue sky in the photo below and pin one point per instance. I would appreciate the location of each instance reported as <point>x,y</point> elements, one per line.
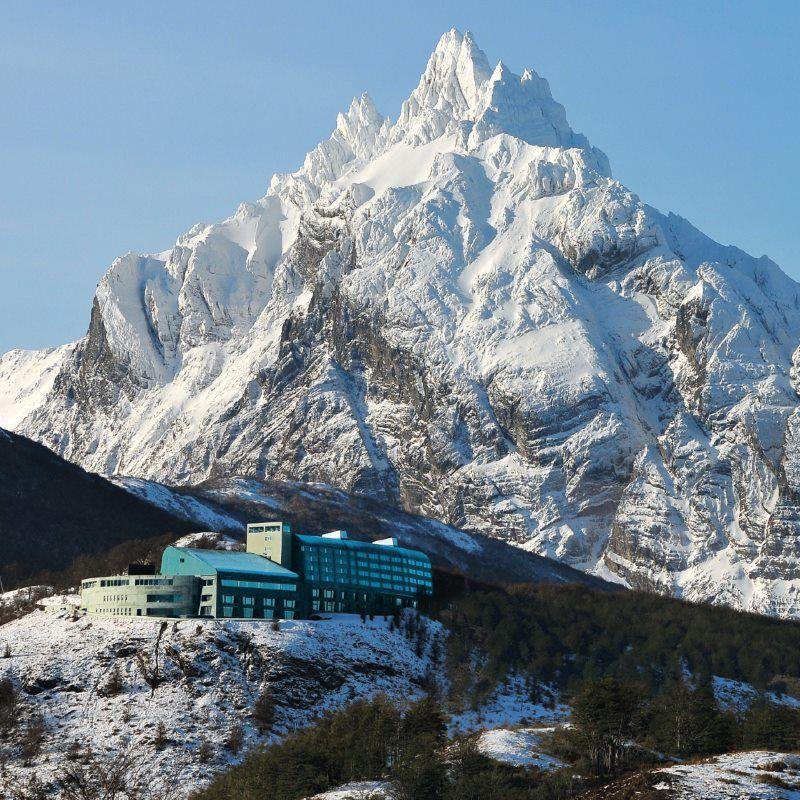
<point>126,123</point>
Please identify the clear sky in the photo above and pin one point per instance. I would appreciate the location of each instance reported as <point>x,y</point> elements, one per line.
<point>123,124</point>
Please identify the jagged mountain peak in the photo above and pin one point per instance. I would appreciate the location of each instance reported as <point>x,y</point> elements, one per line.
<point>460,91</point>
<point>453,78</point>
<point>360,125</point>
<point>458,94</point>
<point>462,314</point>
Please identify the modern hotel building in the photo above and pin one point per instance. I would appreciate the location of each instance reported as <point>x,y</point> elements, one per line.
<point>281,575</point>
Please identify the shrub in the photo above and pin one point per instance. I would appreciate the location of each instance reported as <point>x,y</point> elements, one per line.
<point>235,739</point>
<point>33,738</point>
<point>160,738</point>
<point>264,710</point>
<point>205,752</point>
<point>9,705</point>
<point>114,684</point>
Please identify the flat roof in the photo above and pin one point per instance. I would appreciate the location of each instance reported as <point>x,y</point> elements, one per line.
<point>355,544</point>
<point>238,561</point>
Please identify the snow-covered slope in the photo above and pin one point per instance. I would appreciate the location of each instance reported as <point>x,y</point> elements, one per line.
<point>520,747</point>
<point>462,313</point>
<point>756,775</point>
<point>210,672</point>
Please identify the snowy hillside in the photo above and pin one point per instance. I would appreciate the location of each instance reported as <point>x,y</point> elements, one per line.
<point>209,675</point>
<point>771,776</point>
<point>462,313</point>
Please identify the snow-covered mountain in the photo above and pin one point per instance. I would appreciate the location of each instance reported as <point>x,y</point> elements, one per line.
<point>462,313</point>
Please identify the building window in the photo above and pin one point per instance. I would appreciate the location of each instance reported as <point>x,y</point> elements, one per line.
<point>227,598</point>
<point>247,613</point>
<point>268,585</point>
<point>227,611</point>
<point>247,601</point>
<point>161,598</point>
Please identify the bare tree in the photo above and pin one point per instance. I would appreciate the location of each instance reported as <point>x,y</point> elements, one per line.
<point>118,776</point>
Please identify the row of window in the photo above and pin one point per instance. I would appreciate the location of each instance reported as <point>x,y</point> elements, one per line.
<point>277,587</point>
<point>329,572</point>
<point>349,605</point>
<point>396,566</point>
<point>341,554</point>
<point>250,613</point>
<point>116,612</point>
<point>400,583</point>
<point>274,526</point>
<point>403,569</point>
<point>267,602</point>
<point>154,582</point>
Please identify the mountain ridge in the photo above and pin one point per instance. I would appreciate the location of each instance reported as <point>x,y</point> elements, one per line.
<point>463,314</point>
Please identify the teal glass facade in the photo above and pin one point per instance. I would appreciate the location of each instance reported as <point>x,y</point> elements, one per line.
<point>345,575</point>
<point>237,585</point>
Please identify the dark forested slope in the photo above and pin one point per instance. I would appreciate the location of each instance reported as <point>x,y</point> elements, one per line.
<point>52,511</point>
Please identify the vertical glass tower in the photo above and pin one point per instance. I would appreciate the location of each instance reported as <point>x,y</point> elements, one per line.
<point>345,575</point>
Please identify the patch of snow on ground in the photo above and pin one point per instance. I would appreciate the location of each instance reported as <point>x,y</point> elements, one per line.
<point>511,705</point>
<point>520,748</point>
<point>754,775</point>
<point>738,696</point>
<point>61,599</point>
<point>249,491</point>
<point>358,790</point>
<point>24,594</point>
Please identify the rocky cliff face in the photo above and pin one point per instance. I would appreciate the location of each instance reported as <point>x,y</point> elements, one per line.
<point>462,313</point>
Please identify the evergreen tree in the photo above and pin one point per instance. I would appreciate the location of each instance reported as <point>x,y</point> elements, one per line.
<point>419,773</point>
<point>604,715</point>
